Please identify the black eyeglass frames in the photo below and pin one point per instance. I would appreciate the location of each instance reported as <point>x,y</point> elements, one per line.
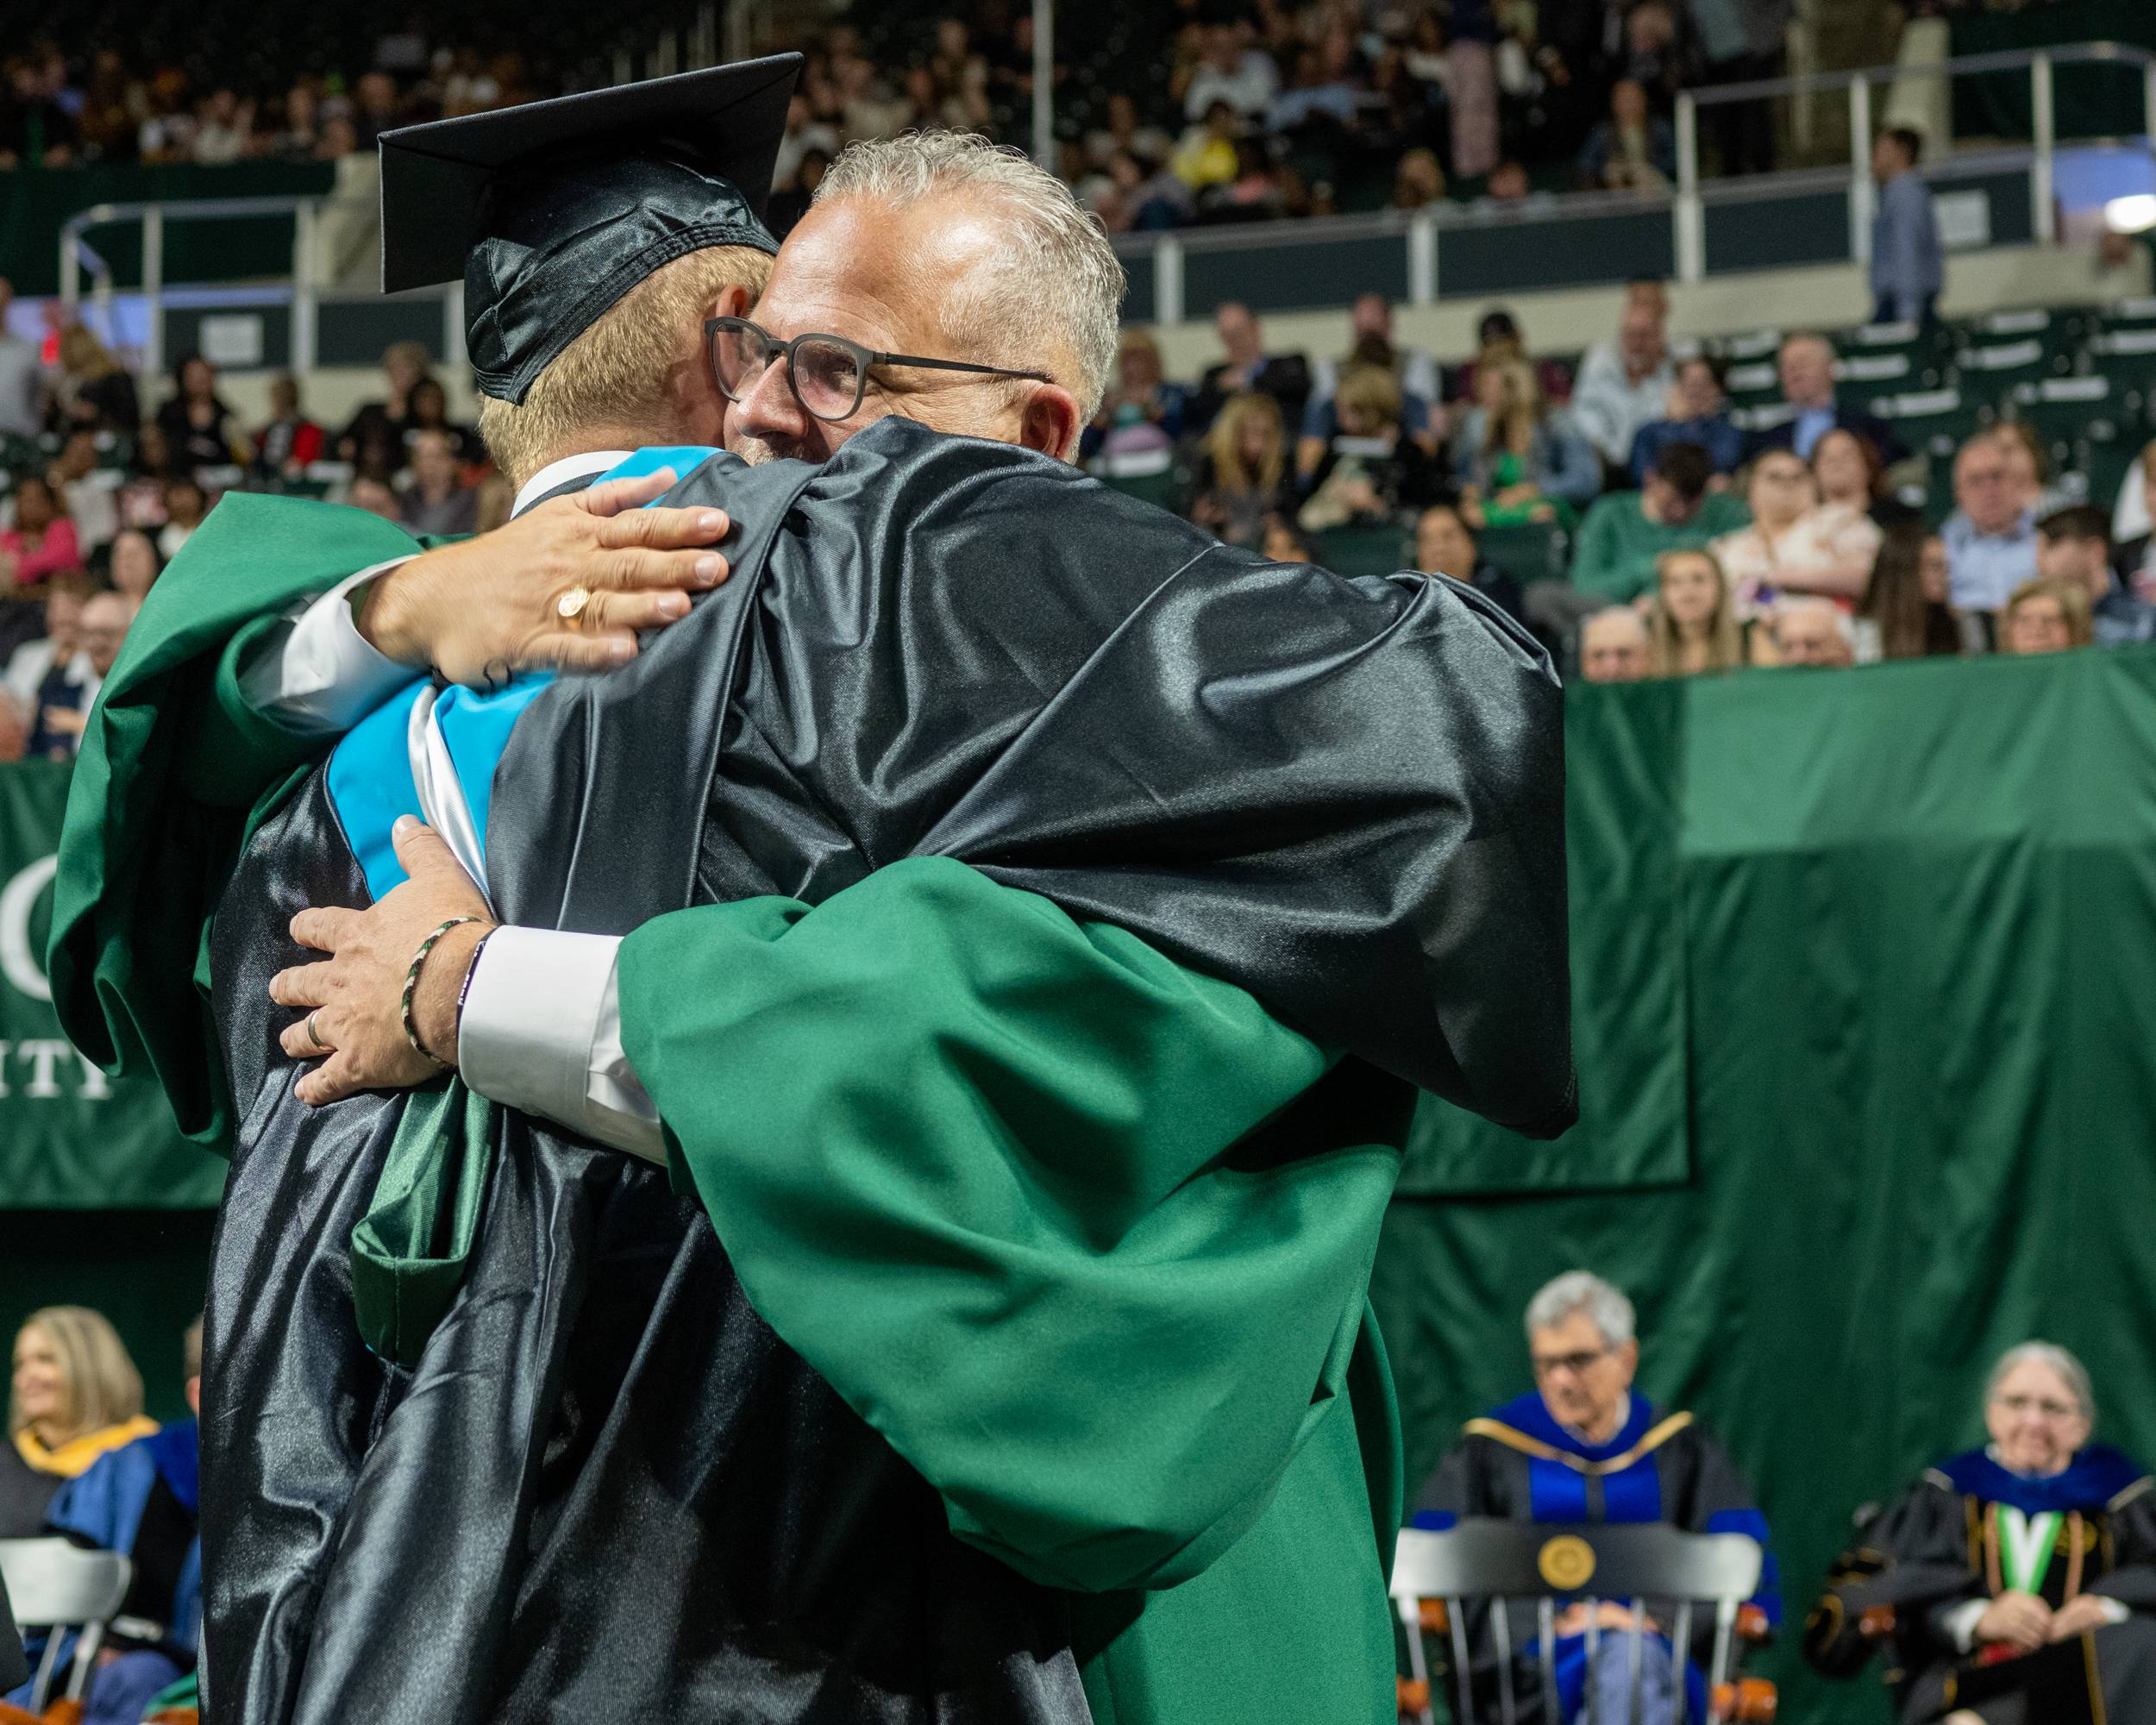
<point>828,374</point>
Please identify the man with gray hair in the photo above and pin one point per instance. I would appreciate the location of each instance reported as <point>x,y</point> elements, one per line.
<point>1026,1347</point>
<point>1581,1447</point>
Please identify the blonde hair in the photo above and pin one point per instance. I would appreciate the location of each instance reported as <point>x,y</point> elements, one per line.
<point>2073,606</point>
<point>1223,443</point>
<point>1522,411</point>
<point>621,373</point>
<point>1725,638</point>
<point>1371,391</point>
<point>99,1384</point>
<point>83,355</point>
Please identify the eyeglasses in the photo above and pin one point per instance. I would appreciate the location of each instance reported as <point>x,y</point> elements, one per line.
<point>828,374</point>
<point>1549,1365</point>
<point>2046,1406</point>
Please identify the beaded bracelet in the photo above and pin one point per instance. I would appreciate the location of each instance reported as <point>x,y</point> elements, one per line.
<point>411,985</point>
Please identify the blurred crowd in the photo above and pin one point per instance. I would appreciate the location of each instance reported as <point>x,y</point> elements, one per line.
<point>1200,111</point>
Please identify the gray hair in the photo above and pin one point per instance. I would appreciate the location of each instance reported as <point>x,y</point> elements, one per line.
<point>2072,1372</point>
<point>1579,1290</point>
<point>1058,284</point>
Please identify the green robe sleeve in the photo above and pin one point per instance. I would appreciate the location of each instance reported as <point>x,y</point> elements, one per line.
<point>1083,1233</point>
<point>172,762</point>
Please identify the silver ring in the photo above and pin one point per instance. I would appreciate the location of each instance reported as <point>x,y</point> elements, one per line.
<point>315,1036</point>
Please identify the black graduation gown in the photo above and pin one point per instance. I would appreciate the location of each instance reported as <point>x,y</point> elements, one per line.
<point>608,1491</point>
<point>1936,1547</point>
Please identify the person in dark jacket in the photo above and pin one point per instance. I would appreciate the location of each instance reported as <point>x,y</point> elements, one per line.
<point>1444,545</point>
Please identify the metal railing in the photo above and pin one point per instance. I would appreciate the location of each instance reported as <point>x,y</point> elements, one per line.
<point>1421,232</point>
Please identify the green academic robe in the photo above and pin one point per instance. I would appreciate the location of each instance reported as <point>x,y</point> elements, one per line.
<point>919,1259</point>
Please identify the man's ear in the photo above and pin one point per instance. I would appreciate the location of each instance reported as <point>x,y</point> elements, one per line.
<point>733,301</point>
<point>1049,421</point>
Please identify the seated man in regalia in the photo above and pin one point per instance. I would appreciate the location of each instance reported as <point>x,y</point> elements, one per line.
<point>1582,1447</point>
<point>2017,1582</point>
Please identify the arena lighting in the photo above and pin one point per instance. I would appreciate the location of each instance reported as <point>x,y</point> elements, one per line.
<point>2134,214</point>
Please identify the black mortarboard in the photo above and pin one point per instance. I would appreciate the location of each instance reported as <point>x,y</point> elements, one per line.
<point>553,211</point>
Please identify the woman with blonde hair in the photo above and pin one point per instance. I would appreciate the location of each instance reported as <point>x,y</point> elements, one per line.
<point>1692,624</point>
<point>76,1396</point>
<point>1513,458</point>
<point>1242,469</point>
<point>96,392</point>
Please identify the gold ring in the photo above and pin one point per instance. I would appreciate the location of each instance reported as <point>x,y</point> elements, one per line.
<point>315,1036</point>
<point>571,605</point>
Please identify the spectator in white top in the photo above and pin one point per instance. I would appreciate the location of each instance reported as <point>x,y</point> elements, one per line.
<point>1624,384</point>
<point>92,498</point>
<point>1233,71</point>
<point>30,663</point>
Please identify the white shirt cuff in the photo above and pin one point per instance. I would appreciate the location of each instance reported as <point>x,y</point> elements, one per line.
<point>319,673</point>
<point>541,1032</point>
<point>2114,1610</point>
<point>1961,1622</point>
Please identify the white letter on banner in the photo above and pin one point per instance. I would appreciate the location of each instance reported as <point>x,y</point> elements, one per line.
<point>43,1053</point>
<point>18,963</point>
<point>95,1089</point>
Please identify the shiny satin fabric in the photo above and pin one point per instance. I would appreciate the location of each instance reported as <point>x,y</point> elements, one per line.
<point>608,1491</point>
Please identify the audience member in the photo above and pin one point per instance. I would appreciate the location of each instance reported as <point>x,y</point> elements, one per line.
<point>30,663</point>
<point>185,503</point>
<point>1444,545</point>
<point>1513,458</point>
<point>437,502</point>
<point>88,495</point>
<point>1371,469</point>
<point>69,690</point>
<point>1905,613</point>
<point>1740,40</point>
<point>1206,156</point>
<point>142,493</point>
<point>197,424</point>
<point>1692,620</point>
<point>1633,150</point>
<point>136,565</point>
<point>1627,532</point>
<point>2028,469</point>
<point>1242,470</point>
<point>1625,384</point>
<point>94,389</point>
<point>141,1500</point>
<point>1370,342</point>
<point>430,412</point>
<point>1498,338</point>
<point>1908,269</point>
<point>1776,553</point>
<point>1614,647</point>
<point>21,377</point>
<point>2073,546</point>
<point>285,447</point>
<point>1418,182</point>
<point>1285,377</point>
<point>1805,366</point>
<point>1526,1462</point>
<point>2045,616</point>
<point>374,440</point>
<point>1990,537</point>
<point>1231,71</point>
<point>1807,631</point>
<point>76,1396</point>
<point>41,543</point>
<point>2030,1556</point>
<point>1697,412</point>
<point>1140,398</point>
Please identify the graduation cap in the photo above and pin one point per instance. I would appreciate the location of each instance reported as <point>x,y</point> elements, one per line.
<point>553,211</point>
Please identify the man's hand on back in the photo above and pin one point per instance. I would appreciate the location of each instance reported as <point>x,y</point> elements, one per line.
<point>483,608</point>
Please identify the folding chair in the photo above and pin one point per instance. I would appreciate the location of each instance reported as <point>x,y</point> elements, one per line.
<point>2064,409</point>
<point>55,1586</point>
<point>1933,421</point>
<point>1504,1562</point>
<point>1753,384</point>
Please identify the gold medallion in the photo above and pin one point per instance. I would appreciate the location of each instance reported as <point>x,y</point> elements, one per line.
<point>1567,1562</point>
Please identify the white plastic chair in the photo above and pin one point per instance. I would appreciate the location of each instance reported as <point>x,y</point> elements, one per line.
<point>55,1585</point>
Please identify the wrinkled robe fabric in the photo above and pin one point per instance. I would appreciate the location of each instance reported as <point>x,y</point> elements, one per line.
<point>1041,762</point>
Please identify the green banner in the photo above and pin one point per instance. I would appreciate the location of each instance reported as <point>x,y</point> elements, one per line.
<point>1914,928</point>
<point>70,1139</point>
